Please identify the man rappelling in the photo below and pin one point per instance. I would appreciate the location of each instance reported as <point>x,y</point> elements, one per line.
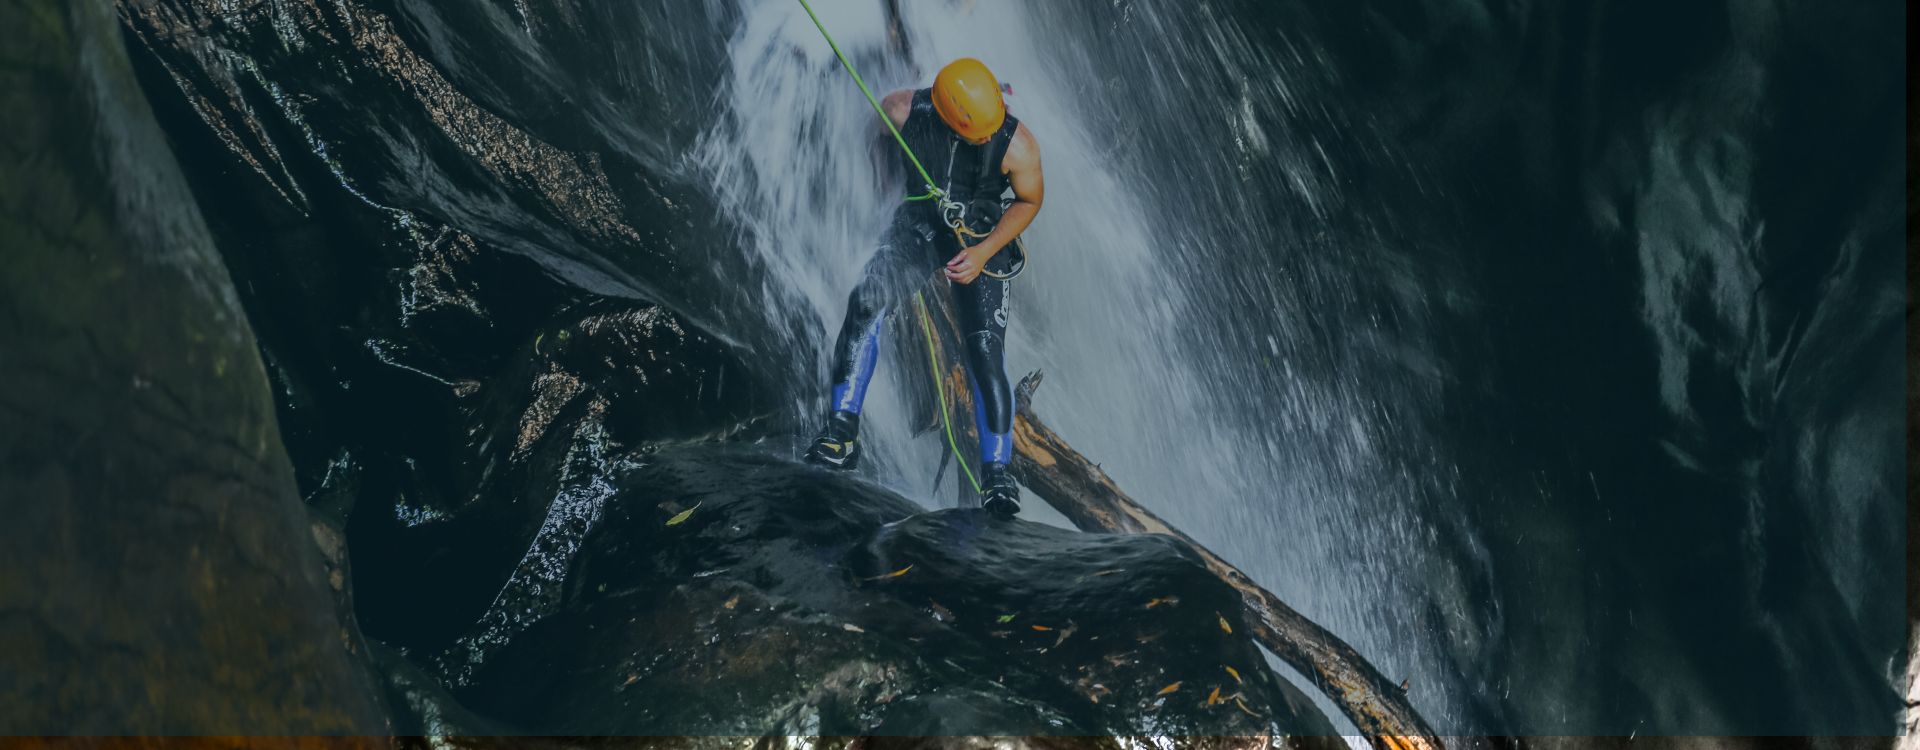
<point>972,153</point>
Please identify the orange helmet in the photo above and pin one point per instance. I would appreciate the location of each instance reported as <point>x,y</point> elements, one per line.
<point>967,96</point>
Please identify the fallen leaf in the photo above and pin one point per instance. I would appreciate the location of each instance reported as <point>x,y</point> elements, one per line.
<point>1096,690</point>
<point>1236,675</point>
<point>886,576</point>
<point>1243,706</point>
<point>1223,624</point>
<point>1213,698</point>
<point>1168,689</point>
<point>1157,601</point>
<point>632,678</point>
<point>1405,684</point>
<point>731,603</point>
<point>941,613</point>
<point>894,574</point>
<point>1042,628</point>
<point>1004,619</point>
<point>851,628</point>
<point>682,516</point>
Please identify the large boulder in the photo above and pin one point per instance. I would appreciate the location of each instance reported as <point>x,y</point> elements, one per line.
<point>727,591</point>
<point>158,572</point>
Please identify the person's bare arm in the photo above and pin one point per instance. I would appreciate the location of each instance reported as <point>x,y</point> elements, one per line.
<point>1022,166</point>
<point>898,105</point>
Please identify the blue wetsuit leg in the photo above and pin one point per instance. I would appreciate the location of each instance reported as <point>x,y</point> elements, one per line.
<point>897,267</point>
<point>981,307</point>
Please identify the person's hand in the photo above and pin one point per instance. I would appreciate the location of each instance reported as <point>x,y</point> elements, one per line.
<point>967,265</point>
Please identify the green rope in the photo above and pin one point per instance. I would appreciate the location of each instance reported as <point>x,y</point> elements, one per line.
<point>933,192</point>
<point>926,327</point>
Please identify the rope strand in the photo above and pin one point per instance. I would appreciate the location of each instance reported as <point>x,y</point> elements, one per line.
<point>933,191</point>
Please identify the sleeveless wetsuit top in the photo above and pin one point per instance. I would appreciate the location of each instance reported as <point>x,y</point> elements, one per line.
<point>970,174</point>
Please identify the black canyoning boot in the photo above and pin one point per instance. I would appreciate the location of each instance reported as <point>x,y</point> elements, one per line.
<point>998,493</point>
<point>838,446</point>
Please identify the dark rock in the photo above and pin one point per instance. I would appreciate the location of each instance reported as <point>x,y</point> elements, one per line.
<point>1127,617</point>
<point>479,544</point>
<point>727,592</point>
<point>158,573</point>
<point>423,707</point>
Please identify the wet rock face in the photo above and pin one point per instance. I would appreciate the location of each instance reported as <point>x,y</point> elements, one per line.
<point>430,268</point>
<point>158,573</point>
<point>729,592</point>
<point>1146,634</point>
<point>400,122</point>
<point>470,541</point>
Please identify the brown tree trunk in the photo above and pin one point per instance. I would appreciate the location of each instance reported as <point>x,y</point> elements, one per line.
<point>1075,486</point>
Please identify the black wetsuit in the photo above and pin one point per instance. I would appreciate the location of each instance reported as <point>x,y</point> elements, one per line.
<point>915,247</point>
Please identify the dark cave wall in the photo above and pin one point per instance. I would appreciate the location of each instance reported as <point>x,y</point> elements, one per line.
<point>158,571</point>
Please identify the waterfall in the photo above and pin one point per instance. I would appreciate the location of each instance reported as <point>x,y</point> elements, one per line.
<point>1237,341</point>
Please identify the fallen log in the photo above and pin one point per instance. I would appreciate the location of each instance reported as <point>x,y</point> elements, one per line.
<point>1075,486</point>
<point>1049,467</point>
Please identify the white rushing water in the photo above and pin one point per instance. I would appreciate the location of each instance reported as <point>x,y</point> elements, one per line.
<point>1261,406</point>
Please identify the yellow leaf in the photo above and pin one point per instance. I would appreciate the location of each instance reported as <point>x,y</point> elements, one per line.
<point>894,574</point>
<point>1168,689</point>
<point>1236,675</point>
<point>1223,624</point>
<point>682,516</point>
<point>1159,600</point>
<point>1213,698</point>
<point>731,603</point>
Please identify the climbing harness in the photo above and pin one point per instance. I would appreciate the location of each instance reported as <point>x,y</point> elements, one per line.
<point>952,212</point>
